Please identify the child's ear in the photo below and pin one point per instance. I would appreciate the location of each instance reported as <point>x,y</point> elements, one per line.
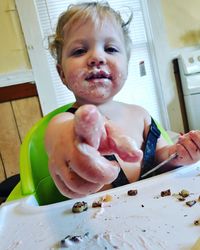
<point>60,72</point>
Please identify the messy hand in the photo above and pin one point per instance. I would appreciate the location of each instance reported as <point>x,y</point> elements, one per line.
<point>76,162</point>
<point>187,148</point>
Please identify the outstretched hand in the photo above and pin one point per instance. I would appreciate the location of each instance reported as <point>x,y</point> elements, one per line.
<point>76,161</point>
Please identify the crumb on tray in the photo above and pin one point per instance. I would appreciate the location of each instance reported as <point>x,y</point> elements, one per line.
<point>165,193</point>
<point>97,204</point>
<point>197,222</point>
<point>79,207</point>
<point>132,192</point>
<point>106,198</point>
<point>69,240</point>
<point>184,193</point>
<point>190,203</point>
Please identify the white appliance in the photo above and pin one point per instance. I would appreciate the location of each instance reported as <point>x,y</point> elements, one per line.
<point>189,66</point>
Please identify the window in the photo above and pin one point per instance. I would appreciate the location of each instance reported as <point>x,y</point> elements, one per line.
<point>142,86</point>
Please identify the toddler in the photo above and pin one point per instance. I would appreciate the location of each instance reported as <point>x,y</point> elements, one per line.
<point>100,143</point>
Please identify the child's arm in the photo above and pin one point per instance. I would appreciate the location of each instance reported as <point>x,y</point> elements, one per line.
<point>75,144</point>
<point>187,148</point>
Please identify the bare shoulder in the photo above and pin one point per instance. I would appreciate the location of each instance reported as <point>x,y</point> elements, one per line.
<point>134,119</point>
<point>61,117</point>
<point>137,111</point>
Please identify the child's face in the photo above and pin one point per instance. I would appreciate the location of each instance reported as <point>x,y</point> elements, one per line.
<point>94,61</point>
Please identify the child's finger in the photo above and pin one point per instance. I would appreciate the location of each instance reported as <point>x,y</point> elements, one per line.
<point>92,166</point>
<point>183,156</point>
<point>61,185</point>
<point>67,180</point>
<point>89,125</point>
<point>195,137</point>
<point>191,147</point>
<point>123,145</point>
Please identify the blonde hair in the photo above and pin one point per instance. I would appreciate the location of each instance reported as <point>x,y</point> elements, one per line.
<point>83,12</point>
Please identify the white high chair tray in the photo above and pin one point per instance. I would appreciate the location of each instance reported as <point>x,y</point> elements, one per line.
<point>145,221</point>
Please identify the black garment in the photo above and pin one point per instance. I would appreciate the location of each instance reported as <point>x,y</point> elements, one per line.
<point>7,186</point>
<point>150,149</point>
<point>149,154</point>
<point>148,158</point>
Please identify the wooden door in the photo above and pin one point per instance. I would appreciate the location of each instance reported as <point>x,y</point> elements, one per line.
<point>17,116</point>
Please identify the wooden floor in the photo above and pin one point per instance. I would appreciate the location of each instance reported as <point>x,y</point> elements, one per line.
<point>17,117</point>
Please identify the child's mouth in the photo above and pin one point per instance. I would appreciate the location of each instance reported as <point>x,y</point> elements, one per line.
<point>98,75</point>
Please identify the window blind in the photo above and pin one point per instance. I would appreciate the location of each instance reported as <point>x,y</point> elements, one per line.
<point>140,87</point>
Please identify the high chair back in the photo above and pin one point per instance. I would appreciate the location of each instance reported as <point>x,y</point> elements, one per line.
<point>35,178</point>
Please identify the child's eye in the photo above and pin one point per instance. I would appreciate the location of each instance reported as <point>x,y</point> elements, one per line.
<point>111,50</point>
<point>78,52</point>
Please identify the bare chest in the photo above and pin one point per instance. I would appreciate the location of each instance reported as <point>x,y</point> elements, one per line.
<point>131,127</point>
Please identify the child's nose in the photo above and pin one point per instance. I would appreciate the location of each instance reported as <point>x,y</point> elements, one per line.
<point>96,59</point>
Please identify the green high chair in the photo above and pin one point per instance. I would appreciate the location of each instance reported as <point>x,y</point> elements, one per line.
<point>34,174</point>
<point>35,178</point>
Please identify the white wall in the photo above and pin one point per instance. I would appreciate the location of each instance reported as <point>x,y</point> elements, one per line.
<point>166,50</point>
